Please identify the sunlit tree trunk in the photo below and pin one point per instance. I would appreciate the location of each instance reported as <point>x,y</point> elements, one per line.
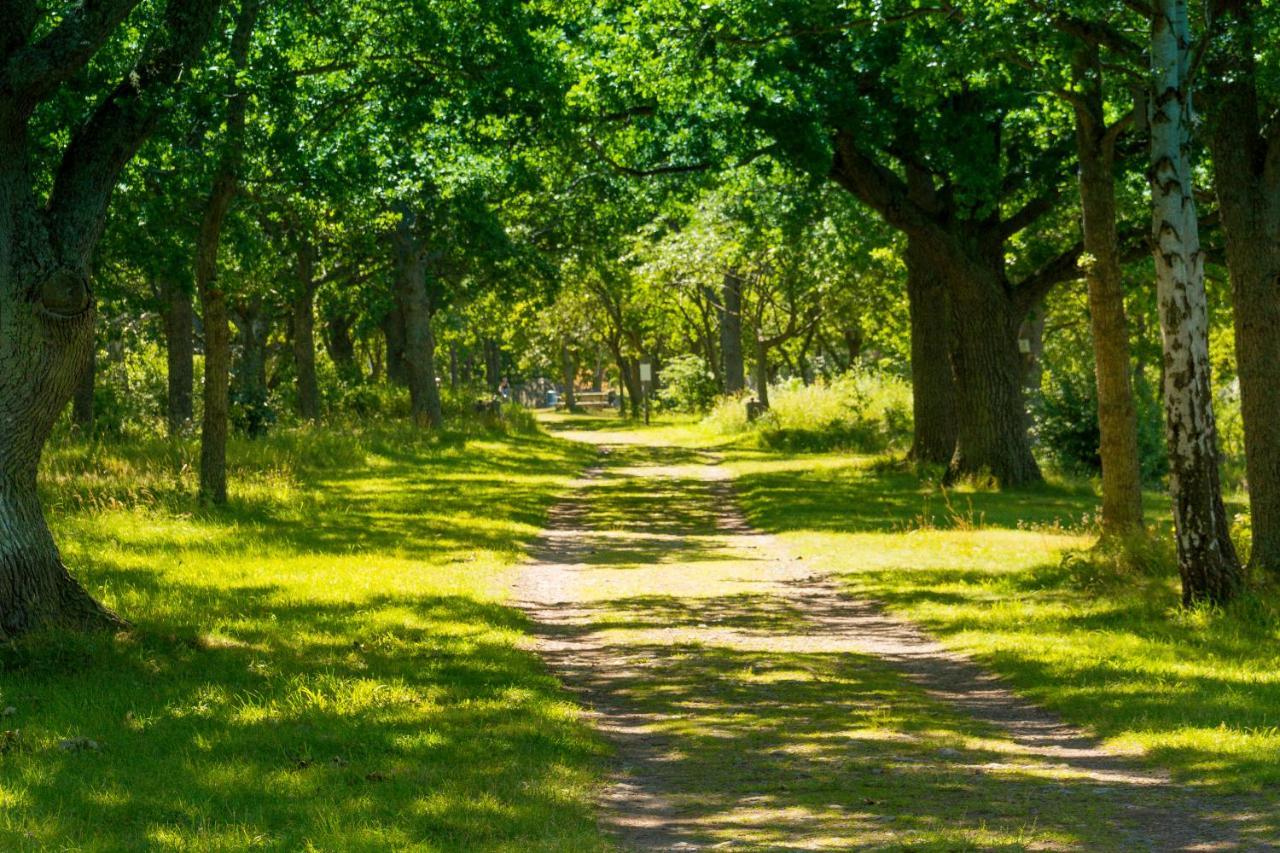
<point>415,298</point>
<point>730,312</point>
<point>1207,560</point>
<point>1117,414</point>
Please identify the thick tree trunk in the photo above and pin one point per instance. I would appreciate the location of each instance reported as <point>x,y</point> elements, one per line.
<point>1117,414</point>
<point>1206,557</point>
<point>570,368</point>
<point>730,311</point>
<point>411,266</point>
<point>933,387</point>
<point>179,335</point>
<point>340,346</point>
<point>303,323</point>
<point>991,422</point>
<point>1246,167</point>
<point>82,401</point>
<point>393,329</point>
<point>762,373</point>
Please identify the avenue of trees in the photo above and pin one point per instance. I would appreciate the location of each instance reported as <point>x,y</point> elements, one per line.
<point>308,211</point>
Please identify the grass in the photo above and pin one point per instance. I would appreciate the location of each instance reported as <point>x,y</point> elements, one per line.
<point>325,664</point>
<point>1197,692</point>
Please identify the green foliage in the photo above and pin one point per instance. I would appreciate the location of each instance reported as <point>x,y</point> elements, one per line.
<point>687,385</point>
<point>859,410</point>
<point>1066,424</point>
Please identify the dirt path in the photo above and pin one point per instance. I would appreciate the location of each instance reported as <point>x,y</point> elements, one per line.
<point>753,706</point>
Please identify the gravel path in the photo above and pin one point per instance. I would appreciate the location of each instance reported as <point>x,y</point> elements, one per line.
<point>675,623</point>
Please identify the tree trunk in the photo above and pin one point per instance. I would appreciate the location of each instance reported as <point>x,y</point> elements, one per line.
<point>411,267</point>
<point>179,334</point>
<point>213,300</point>
<point>393,329</point>
<point>251,366</point>
<point>597,375</point>
<point>82,402</point>
<point>1246,168</point>
<point>570,369</point>
<point>933,387</point>
<point>340,346</point>
<point>762,373</point>
<point>492,364</point>
<point>304,335</point>
<point>1207,560</point>
<point>730,311</point>
<point>1031,347</point>
<point>991,423</point>
<point>1117,414</point>
<point>453,367</point>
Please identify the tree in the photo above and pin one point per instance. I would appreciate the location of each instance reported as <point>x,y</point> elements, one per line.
<point>1246,169</point>
<point>46,252</point>
<point>1207,560</point>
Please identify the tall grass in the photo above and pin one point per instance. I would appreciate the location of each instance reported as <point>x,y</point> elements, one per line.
<point>859,410</point>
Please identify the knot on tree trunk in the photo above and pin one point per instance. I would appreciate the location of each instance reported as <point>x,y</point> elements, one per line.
<point>64,293</point>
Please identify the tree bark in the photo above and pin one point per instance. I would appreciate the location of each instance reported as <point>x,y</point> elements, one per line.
<point>82,402</point>
<point>46,253</point>
<point>303,323</point>
<point>340,346</point>
<point>991,423</point>
<point>1207,560</point>
<point>1117,414</point>
<point>1246,160</point>
<point>492,364</point>
<point>213,299</point>
<point>179,334</point>
<point>393,329</point>
<point>570,368</point>
<point>411,266</point>
<point>250,374</point>
<point>933,386</point>
<point>730,311</point>
<point>762,372</point>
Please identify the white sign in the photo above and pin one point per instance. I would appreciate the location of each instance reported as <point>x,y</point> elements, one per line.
<point>646,372</point>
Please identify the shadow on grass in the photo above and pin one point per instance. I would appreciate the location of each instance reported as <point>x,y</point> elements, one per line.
<point>395,722</point>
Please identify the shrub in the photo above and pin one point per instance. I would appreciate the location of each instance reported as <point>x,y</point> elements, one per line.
<point>687,385</point>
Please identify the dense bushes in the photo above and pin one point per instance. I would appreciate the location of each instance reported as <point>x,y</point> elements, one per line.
<point>1066,425</point>
<point>862,411</point>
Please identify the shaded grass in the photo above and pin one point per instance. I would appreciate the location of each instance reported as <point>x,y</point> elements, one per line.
<point>324,664</point>
<point>1198,692</point>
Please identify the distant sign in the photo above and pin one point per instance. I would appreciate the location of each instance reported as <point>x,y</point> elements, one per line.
<point>646,372</point>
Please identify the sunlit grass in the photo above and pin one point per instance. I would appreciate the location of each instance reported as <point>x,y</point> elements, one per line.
<point>1197,692</point>
<point>327,663</point>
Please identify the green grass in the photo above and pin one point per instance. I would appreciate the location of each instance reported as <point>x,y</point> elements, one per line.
<point>325,664</point>
<point>1198,692</point>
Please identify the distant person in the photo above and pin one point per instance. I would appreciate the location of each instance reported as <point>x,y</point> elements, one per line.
<point>504,390</point>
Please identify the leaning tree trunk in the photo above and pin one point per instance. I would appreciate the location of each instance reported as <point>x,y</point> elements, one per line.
<point>411,267</point>
<point>82,401</point>
<point>730,312</point>
<point>303,322</point>
<point>1246,168</point>
<point>179,335</point>
<point>1117,414</point>
<point>933,393</point>
<point>1207,560</point>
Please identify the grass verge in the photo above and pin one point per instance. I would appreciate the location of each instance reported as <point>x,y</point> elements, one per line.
<point>324,664</point>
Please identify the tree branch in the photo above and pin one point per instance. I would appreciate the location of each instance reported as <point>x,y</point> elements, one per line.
<point>858,23</point>
<point>110,137</point>
<point>37,71</point>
